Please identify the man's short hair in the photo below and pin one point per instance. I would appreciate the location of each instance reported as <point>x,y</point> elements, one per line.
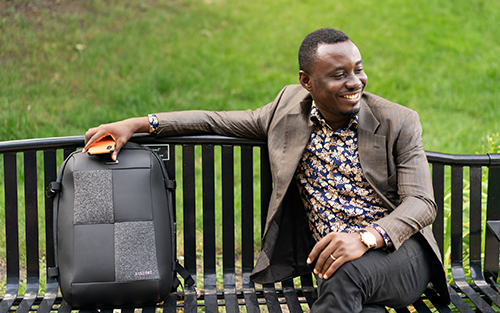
<point>309,46</point>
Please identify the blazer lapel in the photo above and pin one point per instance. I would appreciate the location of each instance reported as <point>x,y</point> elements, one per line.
<point>372,152</point>
<point>296,138</point>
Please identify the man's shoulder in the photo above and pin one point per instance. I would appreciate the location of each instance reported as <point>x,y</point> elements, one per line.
<point>293,93</point>
<point>389,115</point>
<point>383,108</point>
<point>292,99</point>
<point>377,102</point>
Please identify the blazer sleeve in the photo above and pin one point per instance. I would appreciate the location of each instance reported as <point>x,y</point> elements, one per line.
<point>247,124</point>
<point>417,208</point>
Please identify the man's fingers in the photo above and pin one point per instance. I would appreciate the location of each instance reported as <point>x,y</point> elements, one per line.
<point>92,135</point>
<point>318,248</point>
<point>332,266</point>
<point>333,251</point>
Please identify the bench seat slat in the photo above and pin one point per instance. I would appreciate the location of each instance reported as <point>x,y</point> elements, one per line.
<point>436,301</point>
<point>308,289</point>
<point>292,300</point>
<point>488,291</point>
<point>473,296</point>
<point>210,293</point>
<point>190,301</point>
<point>30,295</point>
<point>49,297</point>
<point>251,301</point>
<point>170,304</point>
<point>271,298</point>
<point>459,303</point>
<point>421,307</point>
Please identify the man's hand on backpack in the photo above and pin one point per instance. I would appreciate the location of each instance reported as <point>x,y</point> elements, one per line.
<point>121,131</point>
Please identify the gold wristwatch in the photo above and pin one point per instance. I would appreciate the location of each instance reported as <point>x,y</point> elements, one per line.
<point>368,239</point>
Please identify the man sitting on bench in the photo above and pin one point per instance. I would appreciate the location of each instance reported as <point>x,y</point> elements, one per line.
<point>352,197</point>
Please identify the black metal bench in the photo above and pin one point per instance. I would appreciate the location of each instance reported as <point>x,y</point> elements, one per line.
<point>223,188</point>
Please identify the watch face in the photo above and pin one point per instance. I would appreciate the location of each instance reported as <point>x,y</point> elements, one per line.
<point>368,239</point>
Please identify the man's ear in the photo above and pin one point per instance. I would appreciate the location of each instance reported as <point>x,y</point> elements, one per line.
<point>305,80</point>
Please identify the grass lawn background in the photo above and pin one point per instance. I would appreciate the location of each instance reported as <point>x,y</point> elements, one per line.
<point>70,65</point>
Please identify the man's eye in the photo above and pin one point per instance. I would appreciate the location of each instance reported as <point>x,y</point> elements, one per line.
<point>339,75</point>
<point>359,70</point>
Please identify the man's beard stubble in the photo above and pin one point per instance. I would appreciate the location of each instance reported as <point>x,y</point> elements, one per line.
<point>351,114</point>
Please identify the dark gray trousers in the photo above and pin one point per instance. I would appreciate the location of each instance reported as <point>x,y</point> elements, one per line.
<point>376,280</point>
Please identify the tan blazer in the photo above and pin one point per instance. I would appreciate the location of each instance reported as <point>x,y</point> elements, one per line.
<point>391,155</point>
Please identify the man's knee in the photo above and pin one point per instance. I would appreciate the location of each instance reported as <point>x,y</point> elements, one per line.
<point>347,279</point>
<point>342,292</point>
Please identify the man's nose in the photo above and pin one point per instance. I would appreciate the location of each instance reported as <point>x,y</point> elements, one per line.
<point>353,82</point>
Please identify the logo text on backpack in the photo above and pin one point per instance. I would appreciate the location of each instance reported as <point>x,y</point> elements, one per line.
<point>144,273</point>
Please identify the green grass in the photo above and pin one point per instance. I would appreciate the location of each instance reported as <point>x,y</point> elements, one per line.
<point>72,66</point>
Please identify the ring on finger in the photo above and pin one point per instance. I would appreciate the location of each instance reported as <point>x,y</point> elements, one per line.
<point>333,258</point>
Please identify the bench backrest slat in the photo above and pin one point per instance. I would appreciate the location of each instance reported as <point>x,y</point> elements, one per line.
<point>228,250</point>
<point>456,216</point>
<point>31,214</point>
<point>209,254</point>
<point>189,208</point>
<point>11,229</point>
<point>31,227</point>
<point>491,259</point>
<point>438,185</point>
<point>475,219</point>
<point>50,174</point>
<point>247,209</point>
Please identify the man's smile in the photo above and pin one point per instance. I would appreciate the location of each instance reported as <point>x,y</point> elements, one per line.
<point>354,96</point>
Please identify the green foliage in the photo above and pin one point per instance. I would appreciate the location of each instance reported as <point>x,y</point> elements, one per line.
<point>491,144</point>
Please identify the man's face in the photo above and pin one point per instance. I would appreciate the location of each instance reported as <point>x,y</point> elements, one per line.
<point>336,82</point>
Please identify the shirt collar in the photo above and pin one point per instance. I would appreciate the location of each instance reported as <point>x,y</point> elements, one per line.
<point>316,118</point>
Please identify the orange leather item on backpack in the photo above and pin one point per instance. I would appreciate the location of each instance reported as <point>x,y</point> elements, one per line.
<point>105,144</point>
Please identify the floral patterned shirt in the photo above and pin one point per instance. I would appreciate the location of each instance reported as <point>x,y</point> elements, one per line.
<point>331,182</point>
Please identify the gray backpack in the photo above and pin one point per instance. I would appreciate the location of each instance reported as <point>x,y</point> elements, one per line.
<point>114,229</point>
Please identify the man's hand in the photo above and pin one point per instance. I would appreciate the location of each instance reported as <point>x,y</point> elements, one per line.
<point>335,249</point>
<point>121,131</point>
